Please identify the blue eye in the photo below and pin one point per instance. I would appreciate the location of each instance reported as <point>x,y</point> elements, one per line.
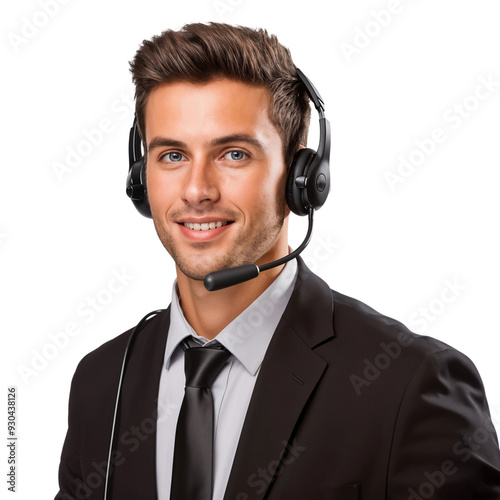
<point>174,156</point>
<point>235,155</point>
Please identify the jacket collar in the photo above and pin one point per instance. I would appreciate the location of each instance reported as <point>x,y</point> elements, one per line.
<point>310,309</point>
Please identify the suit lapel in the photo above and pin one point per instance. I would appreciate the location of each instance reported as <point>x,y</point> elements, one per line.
<point>288,376</point>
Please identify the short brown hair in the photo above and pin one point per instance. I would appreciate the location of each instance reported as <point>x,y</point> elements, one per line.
<point>201,52</point>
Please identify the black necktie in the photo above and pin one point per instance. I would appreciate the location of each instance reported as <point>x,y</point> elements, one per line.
<point>192,468</point>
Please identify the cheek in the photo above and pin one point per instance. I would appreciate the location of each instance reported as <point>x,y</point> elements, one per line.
<point>257,194</point>
<point>159,193</point>
<point>275,190</point>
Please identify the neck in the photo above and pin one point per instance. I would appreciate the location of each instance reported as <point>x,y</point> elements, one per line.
<point>208,313</point>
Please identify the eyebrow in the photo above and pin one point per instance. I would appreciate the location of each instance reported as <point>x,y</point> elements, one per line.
<point>159,142</point>
<point>221,141</point>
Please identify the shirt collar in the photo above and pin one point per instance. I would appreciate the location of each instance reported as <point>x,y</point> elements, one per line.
<point>248,335</point>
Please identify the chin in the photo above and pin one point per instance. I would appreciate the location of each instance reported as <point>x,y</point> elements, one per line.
<point>199,271</point>
<point>194,277</point>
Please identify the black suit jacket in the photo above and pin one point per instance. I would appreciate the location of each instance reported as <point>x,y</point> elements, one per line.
<point>348,405</point>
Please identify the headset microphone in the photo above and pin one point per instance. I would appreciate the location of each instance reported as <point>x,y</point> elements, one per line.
<point>235,275</point>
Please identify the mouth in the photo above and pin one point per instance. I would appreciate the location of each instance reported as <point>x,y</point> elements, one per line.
<point>205,226</point>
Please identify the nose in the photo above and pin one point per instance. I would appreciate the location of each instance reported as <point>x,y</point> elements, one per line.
<point>200,183</point>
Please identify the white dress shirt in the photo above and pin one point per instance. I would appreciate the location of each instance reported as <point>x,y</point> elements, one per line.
<point>247,337</point>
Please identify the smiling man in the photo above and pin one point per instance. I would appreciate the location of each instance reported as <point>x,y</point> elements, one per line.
<point>216,187</point>
<point>276,387</point>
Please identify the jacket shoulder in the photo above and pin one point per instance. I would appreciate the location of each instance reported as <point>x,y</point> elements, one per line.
<point>357,322</point>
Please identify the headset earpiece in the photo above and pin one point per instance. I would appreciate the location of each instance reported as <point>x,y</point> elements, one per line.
<point>308,181</point>
<point>136,179</point>
<point>136,188</point>
<point>295,181</point>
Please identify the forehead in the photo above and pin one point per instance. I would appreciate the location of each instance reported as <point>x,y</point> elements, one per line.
<point>216,106</point>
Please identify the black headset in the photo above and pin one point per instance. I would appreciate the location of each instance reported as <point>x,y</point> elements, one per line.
<point>308,181</point>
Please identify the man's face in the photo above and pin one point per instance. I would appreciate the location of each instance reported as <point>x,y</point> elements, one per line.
<point>215,175</point>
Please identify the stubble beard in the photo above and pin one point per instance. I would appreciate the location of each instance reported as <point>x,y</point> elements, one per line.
<point>246,249</point>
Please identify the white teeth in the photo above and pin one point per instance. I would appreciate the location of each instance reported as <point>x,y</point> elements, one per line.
<point>205,226</point>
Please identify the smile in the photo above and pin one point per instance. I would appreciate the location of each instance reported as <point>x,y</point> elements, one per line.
<point>205,226</point>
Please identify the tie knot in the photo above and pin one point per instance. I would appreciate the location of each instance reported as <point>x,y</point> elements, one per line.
<point>203,364</point>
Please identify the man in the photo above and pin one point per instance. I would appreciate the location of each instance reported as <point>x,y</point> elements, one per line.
<point>317,396</point>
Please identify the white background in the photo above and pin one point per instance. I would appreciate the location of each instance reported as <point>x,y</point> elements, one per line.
<point>62,237</point>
